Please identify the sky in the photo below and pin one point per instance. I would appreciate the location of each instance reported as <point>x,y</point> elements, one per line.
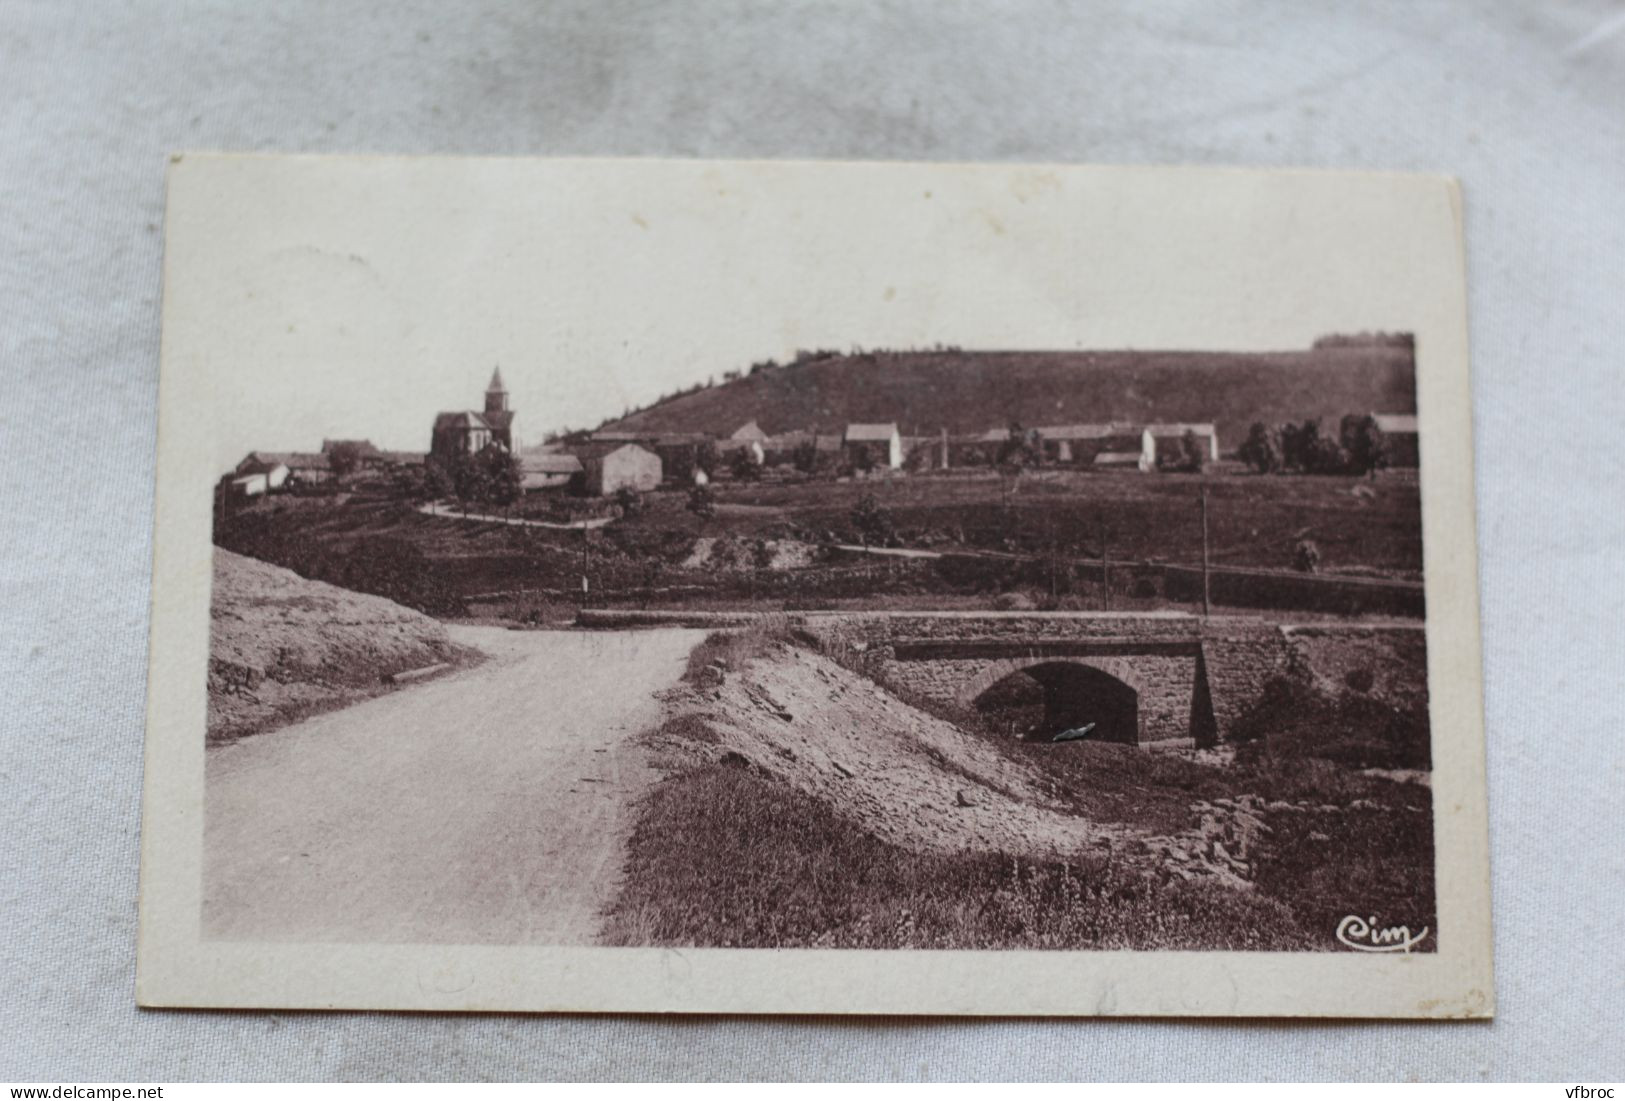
<point>357,297</point>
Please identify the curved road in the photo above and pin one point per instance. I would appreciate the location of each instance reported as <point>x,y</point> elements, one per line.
<point>489,806</point>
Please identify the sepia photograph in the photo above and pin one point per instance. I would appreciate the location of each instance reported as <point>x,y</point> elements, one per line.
<point>813,587</point>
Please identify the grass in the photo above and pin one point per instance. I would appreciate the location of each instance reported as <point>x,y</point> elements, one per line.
<point>728,856</point>
<point>372,541</point>
<point>737,647</point>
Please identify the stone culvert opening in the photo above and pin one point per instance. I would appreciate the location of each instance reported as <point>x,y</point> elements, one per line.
<point>1040,701</point>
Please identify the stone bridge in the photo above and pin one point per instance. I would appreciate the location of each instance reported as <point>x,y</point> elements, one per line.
<point>1142,678</point>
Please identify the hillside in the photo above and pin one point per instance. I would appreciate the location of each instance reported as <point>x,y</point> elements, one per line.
<point>974,391</point>
<point>281,647</point>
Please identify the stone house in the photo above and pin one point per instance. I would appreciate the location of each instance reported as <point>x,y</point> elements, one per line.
<point>883,442</point>
<point>1170,439</point>
<point>283,467</point>
<point>610,466</point>
<point>541,470</point>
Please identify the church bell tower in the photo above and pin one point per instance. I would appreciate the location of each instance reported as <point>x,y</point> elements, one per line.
<point>496,394</point>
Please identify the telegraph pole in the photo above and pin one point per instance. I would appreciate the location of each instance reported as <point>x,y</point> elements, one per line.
<point>1207,604</point>
<point>1105,570</point>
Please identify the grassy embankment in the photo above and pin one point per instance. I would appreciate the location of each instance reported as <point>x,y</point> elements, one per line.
<point>728,854</point>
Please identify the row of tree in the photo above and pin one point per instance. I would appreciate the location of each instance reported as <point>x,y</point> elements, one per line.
<point>1358,447</point>
<point>491,478</point>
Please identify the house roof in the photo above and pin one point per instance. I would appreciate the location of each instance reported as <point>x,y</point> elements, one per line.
<point>1085,431</point>
<point>462,418</point>
<point>593,450</point>
<point>1395,423</point>
<point>293,460</point>
<point>880,433</point>
<point>402,457</point>
<point>550,462</point>
<point>750,430</point>
<point>1179,429</point>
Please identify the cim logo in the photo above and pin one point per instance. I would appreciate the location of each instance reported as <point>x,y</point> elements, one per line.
<point>1364,935</point>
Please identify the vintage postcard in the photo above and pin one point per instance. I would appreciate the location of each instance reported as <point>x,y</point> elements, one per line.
<point>782,587</point>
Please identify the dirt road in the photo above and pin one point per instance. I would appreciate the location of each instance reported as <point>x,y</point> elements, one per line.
<point>487,807</point>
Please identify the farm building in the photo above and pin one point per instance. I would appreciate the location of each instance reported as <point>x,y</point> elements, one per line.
<point>1170,439</point>
<point>1083,444</point>
<point>541,470</point>
<point>782,448</point>
<point>468,432</point>
<point>883,443</point>
<point>296,466</point>
<point>251,485</point>
<point>753,449</point>
<point>1399,438</point>
<point>611,466</point>
<point>749,431</point>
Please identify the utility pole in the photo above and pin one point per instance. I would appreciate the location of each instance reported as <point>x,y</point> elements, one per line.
<point>1207,604</point>
<point>1105,570</point>
<point>583,567</point>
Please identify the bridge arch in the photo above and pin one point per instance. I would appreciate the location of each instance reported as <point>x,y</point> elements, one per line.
<point>1075,692</point>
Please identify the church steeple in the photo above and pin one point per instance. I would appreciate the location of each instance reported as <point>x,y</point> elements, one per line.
<point>496,394</point>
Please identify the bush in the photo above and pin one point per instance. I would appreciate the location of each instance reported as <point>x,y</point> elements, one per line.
<point>1292,720</point>
<point>1262,450</point>
<point>702,502</point>
<point>629,500</point>
<point>872,521</point>
<point>736,648</point>
<point>1306,556</point>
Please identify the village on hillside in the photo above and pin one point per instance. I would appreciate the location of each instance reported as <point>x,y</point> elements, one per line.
<point>889,652</point>
<point>604,462</point>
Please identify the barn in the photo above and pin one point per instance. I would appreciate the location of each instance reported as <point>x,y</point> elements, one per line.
<point>608,467</point>
<point>882,441</point>
<point>541,470</point>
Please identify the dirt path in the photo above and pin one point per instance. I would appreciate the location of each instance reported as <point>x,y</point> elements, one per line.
<point>448,512</point>
<point>488,807</point>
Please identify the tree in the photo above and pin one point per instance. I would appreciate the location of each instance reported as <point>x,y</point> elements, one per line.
<point>743,466</point>
<point>1362,439</point>
<point>1194,453</point>
<point>864,459</point>
<point>805,457</point>
<point>501,479</point>
<point>1298,444</point>
<point>702,502</point>
<point>344,459</point>
<point>872,520</point>
<point>468,479</point>
<point>1325,455</point>
<point>1019,449</point>
<point>706,457</point>
<point>1262,449</point>
<point>437,480</point>
<point>629,500</point>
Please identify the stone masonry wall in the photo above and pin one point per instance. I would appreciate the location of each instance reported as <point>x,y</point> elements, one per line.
<point>1161,657</point>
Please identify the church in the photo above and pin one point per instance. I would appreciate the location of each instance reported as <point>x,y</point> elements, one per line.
<point>467,432</point>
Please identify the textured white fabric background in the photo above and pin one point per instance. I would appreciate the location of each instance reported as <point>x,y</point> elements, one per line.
<point>1525,102</point>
